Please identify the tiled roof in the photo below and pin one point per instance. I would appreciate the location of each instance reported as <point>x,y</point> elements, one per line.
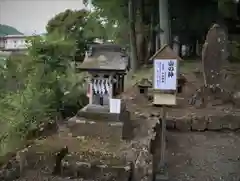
<point>107,57</point>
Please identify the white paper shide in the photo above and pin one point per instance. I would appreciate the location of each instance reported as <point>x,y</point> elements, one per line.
<point>115,106</point>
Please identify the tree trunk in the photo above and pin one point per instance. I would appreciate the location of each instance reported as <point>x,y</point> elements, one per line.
<point>164,22</point>
<point>157,42</point>
<point>143,43</point>
<point>180,49</point>
<point>152,37</point>
<point>133,45</point>
<point>198,48</point>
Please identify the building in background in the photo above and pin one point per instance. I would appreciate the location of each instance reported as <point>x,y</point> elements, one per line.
<point>14,42</point>
<point>11,39</point>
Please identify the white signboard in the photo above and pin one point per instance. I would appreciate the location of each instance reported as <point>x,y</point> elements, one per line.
<point>115,106</point>
<point>165,74</point>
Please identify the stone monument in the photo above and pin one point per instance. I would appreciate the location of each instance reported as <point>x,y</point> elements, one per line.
<point>214,55</point>
<point>214,59</point>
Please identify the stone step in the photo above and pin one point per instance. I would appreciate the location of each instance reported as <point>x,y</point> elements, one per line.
<point>95,171</point>
<point>102,113</point>
<point>84,127</point>
<point>115,129</point>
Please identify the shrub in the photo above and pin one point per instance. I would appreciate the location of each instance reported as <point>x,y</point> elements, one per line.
<point>48,85</point>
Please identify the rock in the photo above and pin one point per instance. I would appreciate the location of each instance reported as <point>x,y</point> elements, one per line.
<point>214,54</point>
<point>224,122</point>
<point>11,171</point>
<point>233,122</point>
<point>214,123</point>
<point>199,124</point>
<point>198,73</point>
<point>171,124</point>
<point>198,98</point>
<point>142,165</point>
<point>199,103</point>
<point>128,128</point>
<point>183,124</point>
<point>216,102</point>
<point>236,99</point>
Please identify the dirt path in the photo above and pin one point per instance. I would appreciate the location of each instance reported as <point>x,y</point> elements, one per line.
<point>204,156</point>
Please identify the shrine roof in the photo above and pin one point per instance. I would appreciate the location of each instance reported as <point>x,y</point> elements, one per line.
<point>166,52</point>
<point>105,57</point>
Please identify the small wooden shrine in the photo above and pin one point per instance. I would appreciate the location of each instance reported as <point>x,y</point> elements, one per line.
<point>167,96</point>
<point>106,65</point>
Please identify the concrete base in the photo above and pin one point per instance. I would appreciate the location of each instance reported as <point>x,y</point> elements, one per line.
<point>120,129</point>
<point>86,127</point>
<point>101,113</point>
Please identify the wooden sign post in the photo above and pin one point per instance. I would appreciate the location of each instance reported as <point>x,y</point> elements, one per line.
<point>165,94</point>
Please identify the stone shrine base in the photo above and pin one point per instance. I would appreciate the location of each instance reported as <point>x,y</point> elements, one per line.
<point>102,113</point>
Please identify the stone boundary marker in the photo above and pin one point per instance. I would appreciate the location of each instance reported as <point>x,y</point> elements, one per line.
<point>205,123</point>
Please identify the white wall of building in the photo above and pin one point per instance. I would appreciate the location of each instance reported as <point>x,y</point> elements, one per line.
<point>15,43</point>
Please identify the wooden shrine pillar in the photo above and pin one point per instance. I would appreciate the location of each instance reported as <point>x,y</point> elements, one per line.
<point>122,83</point>
<point>118,84</point>
<point>110,94</point>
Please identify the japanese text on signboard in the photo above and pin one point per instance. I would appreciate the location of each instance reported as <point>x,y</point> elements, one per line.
<point>165,72</point>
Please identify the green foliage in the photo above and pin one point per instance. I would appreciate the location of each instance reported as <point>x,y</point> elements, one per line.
<point>81,27</point>
<point>68,22</point>
<point>114,10</point>
<point>193,19</point>
<point>115,15</point>
<point>48,85</point>
<point>228,8</point>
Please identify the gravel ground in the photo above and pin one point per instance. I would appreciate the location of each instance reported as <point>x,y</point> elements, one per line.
<point>203,156</point>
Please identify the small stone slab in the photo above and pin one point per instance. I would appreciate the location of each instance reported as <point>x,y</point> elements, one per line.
<point>171,124</point>
<point>231,122</point>
<point>183,124</point>
<point>84,127</point>
<point>87,170</point>
<point>102,113</point>
<point>9,174</point>
<point>199,123</point>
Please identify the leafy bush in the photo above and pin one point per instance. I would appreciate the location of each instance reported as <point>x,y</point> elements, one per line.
<point>48,84</point>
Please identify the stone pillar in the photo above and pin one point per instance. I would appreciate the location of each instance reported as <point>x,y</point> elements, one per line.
<point>122,83</point>
<point>118,83</point>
